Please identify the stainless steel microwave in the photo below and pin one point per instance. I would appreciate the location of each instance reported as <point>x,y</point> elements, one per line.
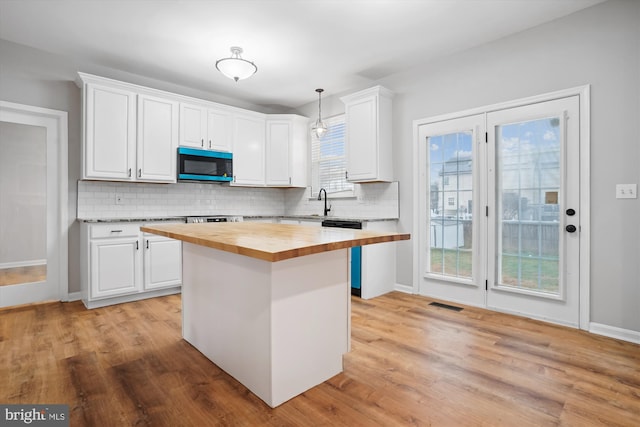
<point>204,165</point>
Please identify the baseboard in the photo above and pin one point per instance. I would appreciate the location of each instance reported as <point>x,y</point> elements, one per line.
<point>615,332</point>
<point>31,263</point>
<point>404,288</point>
<point>74,296</point>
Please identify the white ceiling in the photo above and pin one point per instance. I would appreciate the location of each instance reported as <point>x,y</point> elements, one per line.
<point>298,45</point>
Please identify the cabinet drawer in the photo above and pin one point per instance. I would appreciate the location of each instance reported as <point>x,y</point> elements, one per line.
<point>114,230</point>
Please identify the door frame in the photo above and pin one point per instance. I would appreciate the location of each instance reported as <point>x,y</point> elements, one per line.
<point>583,93</point>
<point>57,133</point>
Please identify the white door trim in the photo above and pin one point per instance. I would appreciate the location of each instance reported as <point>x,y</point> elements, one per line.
<point>583,92</point>
<point>56,121</point>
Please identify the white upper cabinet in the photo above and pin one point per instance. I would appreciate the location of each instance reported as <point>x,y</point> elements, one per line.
<point>219,134</point>
<point>368,115</point>
<point>286,151</point>
<point>205,127</point>
<point>110,133</point>
<point>248,150</point>
<point>129,135</point>
<point>193,125</point>
<point>157,139</point>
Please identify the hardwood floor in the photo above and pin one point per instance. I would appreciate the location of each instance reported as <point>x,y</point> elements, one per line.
<point>411,364</point>
<point>17,275</point>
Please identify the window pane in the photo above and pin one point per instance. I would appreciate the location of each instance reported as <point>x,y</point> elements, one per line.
<point>528,167</point>
<point>450,204</point>
<point>328,159</point>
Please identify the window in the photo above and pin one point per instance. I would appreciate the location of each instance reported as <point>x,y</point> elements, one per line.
<point>329,161</point>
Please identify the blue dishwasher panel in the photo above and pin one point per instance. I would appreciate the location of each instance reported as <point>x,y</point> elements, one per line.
<point>356,271</point>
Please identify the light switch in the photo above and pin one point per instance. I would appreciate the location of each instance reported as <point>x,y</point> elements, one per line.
<point>626,191</point>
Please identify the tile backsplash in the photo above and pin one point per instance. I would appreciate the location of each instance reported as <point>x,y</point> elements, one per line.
<point>97,200</point>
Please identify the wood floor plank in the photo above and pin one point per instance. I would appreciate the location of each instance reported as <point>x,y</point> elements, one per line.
<point>411,364</point>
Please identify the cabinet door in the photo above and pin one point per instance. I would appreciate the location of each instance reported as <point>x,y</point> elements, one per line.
<point>157,139</point>
<point>115,267</point>
<point>219,130</point>
<point>248,151</point>
<point>362,139</point>
<point>193,125</point>
<point>162,262</point>
<point>110,133</point>
<point>277,153</point>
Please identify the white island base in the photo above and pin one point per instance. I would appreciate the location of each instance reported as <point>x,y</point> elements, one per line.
<point>279,328</point>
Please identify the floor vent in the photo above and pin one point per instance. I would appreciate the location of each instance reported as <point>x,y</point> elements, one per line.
<point>447,306</point>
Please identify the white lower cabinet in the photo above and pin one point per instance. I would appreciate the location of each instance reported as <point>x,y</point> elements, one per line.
<point>119,263</point>
<point>115,267</point>
<point>162,261</point>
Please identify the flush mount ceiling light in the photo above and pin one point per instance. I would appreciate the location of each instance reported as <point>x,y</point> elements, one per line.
<point>320,127</point>
<point>235,67</point>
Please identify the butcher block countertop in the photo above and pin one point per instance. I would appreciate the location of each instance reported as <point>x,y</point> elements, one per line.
<point>271,242</point>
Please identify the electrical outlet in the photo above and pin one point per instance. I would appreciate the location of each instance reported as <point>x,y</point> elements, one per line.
<point>119,199</point>
<point>626,191</point>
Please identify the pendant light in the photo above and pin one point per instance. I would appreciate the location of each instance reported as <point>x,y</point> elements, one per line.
<point>235,67</point>
<point>320,127</point>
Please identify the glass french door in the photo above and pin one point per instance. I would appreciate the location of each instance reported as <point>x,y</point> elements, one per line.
<point>534,220</point>
<point>452,230</point>
<point>500,220</point>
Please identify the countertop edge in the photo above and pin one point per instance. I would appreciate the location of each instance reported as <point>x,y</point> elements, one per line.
<point>284,254</point>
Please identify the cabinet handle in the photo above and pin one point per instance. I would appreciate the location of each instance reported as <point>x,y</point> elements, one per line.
<point>139,173</point>
<point>147,243</point>
<point>346,175</point>
<point>209,144</point>
<point>129,172</point>
<point>202,142</point>
<point>137,245</point>
<point>116,231</point>
<point>289,180</point>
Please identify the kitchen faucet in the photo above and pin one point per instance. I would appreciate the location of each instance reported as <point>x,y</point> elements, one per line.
<point>326,209</point>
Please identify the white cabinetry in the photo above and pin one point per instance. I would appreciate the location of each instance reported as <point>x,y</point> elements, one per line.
<point>378,262</point>
<point>248,150</point>
<point>115,261</point>
<point>162,261</point>
<point>368,116</point>
<point>286,151</point>
<point>157,139</point>
<point>205,127</point>
<point>128,134</point>
<point>119,263</point>
<point>109,132</point>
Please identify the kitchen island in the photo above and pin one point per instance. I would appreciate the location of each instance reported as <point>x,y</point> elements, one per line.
<point>269,303</point>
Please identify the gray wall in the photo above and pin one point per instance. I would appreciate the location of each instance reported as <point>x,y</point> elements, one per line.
<point>599,46</point>
<point>23,194</point>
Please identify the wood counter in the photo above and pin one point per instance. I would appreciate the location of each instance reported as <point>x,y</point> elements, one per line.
<point>271,242</point>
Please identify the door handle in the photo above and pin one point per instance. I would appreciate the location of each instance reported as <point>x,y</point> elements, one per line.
<point>571,228</point>
<point>571,212</point>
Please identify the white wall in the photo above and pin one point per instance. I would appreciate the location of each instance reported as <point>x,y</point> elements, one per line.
<point>599,46</point>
